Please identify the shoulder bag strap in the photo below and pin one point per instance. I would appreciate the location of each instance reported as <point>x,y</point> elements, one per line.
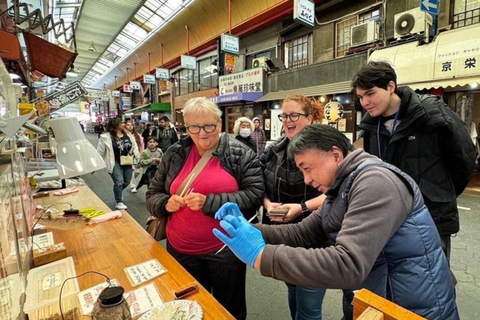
<point>193,175</point>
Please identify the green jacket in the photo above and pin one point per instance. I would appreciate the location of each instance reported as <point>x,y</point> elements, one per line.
<point>146,159</point>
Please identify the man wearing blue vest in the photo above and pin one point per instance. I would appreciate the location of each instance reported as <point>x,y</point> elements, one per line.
<point>420,135</point>
<point>373,231</point>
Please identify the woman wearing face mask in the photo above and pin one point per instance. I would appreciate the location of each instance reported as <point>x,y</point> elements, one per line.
<point>243,129</point>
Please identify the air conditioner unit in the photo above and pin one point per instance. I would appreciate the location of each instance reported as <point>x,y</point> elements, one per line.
<point>410,22</point>
<point>260,62</point>
<point>364,33</point>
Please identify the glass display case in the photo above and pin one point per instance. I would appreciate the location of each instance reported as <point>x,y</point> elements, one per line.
<point>16,221</point>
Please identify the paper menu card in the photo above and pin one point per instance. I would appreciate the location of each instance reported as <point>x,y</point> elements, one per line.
<point>143,299</point>
<point>140,300</point>
<point>89,296</point>
<point>144,272</point>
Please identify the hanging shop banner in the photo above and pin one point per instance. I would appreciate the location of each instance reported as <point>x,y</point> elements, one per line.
<point>163,85</point>
<point>229,63</point>
<point>97,93</point>
<point>136,85</point>
<point>304,12</point>
<point>127,88</point>
<point>116,93</point>
<point>149,79</point>
<point>245,81</point>
<point>70,94</point>
<point>162,73</point>
<point>230,44</point>
<point>188,62</point>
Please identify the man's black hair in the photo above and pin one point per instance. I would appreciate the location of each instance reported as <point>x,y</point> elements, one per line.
<point>164,118</point>
<point>152,138</point>
<point>319,137</point>
<point>375,74</point>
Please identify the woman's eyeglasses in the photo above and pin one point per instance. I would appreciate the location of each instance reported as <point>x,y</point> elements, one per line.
<point>208,128</point>
<point>292,116</point>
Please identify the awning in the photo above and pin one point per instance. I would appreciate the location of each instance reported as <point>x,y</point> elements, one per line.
<point>237,97</point>
<point>164,106</point>
<point>331,88</point>
<point>453,59</point>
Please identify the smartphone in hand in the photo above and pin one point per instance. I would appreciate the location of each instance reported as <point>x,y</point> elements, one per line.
<point>277,212</point>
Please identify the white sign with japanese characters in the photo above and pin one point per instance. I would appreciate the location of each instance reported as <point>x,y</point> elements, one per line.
<point>304,12</point>
<point>127,88</point>
<point>459,60</point>
<point>188,62</point>
<point>143,272</point>
<point>230,44</point>
<point>163,73</point>
<point>149,79</point>
<point>241,82</point>
<point>116,93</point>
<point>136,85</point>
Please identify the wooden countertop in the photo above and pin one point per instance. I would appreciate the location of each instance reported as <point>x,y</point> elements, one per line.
<point>111,246</point>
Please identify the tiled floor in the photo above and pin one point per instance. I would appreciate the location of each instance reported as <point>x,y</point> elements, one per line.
<point>267,298</point>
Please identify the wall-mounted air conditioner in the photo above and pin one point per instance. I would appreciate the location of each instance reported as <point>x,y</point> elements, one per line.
<point>364,33</point>
<point>410,22</point>
<point>260,62</point>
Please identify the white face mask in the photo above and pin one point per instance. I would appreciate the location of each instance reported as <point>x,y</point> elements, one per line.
<point>245,132</point>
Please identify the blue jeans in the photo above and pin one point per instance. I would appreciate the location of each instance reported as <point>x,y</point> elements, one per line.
<point>305,303</point>
<point>121,176</point>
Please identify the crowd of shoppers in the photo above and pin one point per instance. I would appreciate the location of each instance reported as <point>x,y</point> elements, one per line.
<point>332,216</point>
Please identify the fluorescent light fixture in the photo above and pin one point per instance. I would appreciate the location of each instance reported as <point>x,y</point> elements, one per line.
<point>14,76</point>
<point>92,48</point>
<point>473,85</point>
<point>78,156</point>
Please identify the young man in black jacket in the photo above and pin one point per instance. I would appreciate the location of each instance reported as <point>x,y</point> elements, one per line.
<point>420,135</point>
<point>166,134</point>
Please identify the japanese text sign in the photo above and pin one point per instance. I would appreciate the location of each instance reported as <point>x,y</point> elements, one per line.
<point>70,94</point>
<point>230,44</point>
<point>304,12</point>
<point>245,81</point>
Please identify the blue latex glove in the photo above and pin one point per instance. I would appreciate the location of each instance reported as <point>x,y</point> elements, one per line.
<point>228,208</point>
<point>243,239</point>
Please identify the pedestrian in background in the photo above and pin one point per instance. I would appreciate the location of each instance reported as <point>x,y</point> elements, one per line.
<point>420,135</point>
<point>149,161</point>
<point>167,135</point>
<point>242,130</point>
<point>112,145</point>
<point>232,173</point>
<point>258,136</point>
<point>149,131</point>
<point>137,171</point>
<point>285,189</point>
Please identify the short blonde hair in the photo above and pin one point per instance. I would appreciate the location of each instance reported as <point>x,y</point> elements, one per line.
<point>201,106</point>
<point>238,123</point>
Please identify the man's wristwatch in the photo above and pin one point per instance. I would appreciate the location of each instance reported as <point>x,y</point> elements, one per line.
<point>304,207</point>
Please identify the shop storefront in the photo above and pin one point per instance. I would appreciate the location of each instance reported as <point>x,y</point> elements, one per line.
<point>448,67</point>
<point>238,93</point>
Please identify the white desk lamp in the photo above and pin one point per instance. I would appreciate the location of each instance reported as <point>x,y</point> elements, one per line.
<point>75,154</point>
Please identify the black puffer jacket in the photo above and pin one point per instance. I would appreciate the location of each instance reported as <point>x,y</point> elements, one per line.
<point>235,157</point>
<point>433,146</point>
<point>281,172</point>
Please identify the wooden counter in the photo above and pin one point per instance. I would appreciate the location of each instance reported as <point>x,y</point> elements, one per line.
<point>111,246</point>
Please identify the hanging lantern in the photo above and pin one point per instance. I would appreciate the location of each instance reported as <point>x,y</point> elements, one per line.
<point>333,111</point>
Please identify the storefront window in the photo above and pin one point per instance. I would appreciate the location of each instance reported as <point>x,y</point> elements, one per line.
<point>343,30</point>
<point>296,51</point>
<point>203,78</point>
<point>466,12</point>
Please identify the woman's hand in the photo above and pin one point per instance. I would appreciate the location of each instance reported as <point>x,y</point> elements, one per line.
<point>175,203</point>
<point>195,201</point>
<point>294,211</point>
<point>268,205</point>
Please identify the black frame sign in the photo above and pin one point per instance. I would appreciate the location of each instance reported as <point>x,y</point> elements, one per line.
<point>70,94</point>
